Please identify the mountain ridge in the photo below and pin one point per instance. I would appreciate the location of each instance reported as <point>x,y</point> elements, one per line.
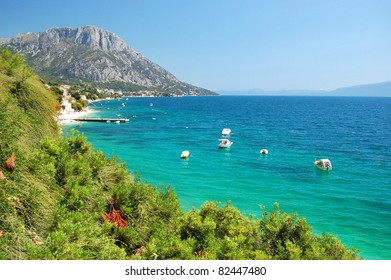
<point>91,54</point>
<point>382,89</point>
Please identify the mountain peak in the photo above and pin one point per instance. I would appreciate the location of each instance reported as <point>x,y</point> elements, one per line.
<point>91,54</point>
<point>90,36</point>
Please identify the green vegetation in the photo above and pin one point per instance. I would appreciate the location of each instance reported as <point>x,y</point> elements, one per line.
<point>63,200</point>
<point>116,85</point>
<point>86,86</point>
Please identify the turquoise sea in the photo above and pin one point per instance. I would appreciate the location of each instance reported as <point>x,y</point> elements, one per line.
<point>353,201</point>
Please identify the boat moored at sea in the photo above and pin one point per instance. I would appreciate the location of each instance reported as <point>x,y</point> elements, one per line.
<point>226,131</point>
<point>264,151</point>
<point>185,154</point>
<point>324,164</point>
<point>225,143</point>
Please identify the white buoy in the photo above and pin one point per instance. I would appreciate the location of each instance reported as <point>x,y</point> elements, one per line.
<point>185,154</point>
<point>264,151</point>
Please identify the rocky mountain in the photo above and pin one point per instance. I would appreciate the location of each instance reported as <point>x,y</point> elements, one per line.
<point>90,54</point>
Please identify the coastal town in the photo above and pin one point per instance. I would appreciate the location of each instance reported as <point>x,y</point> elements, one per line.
<point>75,99</point>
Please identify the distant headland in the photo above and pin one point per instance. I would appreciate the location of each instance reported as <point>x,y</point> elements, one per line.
<point>369,90</point>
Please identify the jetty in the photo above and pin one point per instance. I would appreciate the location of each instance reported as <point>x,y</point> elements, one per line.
<point>100,120</point>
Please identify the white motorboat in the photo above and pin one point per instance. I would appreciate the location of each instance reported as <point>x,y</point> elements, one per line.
<point>324,164</point>
<point>225,143</point>
<point>226,131</point>
<point>185,154</point>
<point>264,151</point>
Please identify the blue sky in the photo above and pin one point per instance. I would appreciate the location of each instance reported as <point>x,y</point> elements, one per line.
<point>233,45</point>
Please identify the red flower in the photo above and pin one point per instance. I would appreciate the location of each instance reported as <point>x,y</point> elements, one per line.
<point>115,217</point>
<point>10,163</point>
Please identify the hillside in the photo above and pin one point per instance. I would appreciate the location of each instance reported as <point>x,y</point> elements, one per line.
<point>60,199</point>
<point>92,55</point>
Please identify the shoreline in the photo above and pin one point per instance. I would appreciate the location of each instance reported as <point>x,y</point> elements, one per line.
<point>70,116</point>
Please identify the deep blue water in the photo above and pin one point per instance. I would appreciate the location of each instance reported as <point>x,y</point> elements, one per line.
<point>353,201</point>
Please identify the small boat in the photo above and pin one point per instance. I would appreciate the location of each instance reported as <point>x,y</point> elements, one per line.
<point>264,151</point>
<point>225,143</point>
<point>117,122</point>
<point>185,154</point>
<point>323,164</point>
<point>226,131</point>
